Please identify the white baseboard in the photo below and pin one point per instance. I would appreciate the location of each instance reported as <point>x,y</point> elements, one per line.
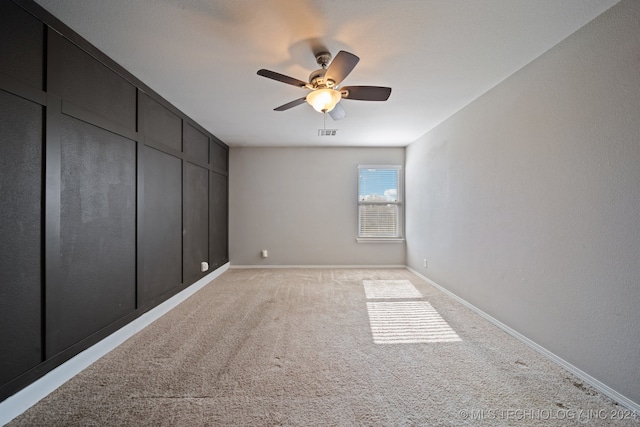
<point>603,388</point>
<point>33,393</point>
<point>402,266</point>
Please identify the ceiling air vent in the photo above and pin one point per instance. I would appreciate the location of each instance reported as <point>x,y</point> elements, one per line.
<point>327,132</point>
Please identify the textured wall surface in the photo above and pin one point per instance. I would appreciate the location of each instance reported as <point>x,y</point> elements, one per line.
<point>300,204</point>
<point>526,202</point>
<point>20,234</point>
<point>101,207</point>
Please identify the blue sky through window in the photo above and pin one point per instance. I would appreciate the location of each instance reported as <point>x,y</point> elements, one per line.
<point>378,182</point>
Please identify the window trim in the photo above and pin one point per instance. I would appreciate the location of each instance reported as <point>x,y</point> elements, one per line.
<point>400,203</point>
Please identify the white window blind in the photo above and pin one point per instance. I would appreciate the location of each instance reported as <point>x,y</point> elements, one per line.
<point>379,202</point>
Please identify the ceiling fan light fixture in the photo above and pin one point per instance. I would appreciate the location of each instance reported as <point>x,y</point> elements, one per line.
<point>325,97</point>
<point>324,100</point>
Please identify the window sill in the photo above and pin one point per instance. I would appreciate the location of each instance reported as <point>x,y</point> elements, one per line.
<point>379,239</point>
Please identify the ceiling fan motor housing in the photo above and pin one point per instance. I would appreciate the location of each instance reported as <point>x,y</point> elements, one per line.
<point>317,80</point>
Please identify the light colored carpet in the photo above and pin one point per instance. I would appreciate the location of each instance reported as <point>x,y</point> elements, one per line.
<point>294,347</point>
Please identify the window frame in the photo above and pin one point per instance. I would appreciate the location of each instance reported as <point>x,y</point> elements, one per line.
<point>399,202</point>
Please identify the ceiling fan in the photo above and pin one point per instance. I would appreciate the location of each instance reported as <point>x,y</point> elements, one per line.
<point>324,84</point>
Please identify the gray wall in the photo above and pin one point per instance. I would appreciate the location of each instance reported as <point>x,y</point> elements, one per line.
<point>300,205</point>
<point>527,202</point>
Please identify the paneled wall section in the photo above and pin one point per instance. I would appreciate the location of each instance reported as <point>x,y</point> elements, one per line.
<point>111,198</point>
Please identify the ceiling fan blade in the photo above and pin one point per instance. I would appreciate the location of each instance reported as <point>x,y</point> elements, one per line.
<point>366,93</point>
<point>341,66</point>
<point>281,78</point>
<point>338,112</point>
<point>291,104</point>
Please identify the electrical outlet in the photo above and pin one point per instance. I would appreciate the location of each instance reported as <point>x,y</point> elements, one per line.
<point>424,263</point>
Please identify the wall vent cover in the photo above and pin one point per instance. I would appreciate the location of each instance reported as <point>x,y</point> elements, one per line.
<point>327,132</point>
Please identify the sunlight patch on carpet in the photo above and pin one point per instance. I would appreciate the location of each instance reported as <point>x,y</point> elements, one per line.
<point>402,322</point>
<point>378,289</point>
<point>409,319</point>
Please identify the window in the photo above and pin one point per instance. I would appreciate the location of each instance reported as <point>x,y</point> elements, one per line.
<point>380,202</point>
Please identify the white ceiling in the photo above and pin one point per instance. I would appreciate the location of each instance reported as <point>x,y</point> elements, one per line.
<point>437,55</point>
